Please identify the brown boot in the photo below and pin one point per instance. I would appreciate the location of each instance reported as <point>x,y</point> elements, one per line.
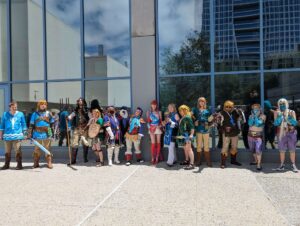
<point>49,161</point>
<point>36,160</point>
<point>207,158</point>
<point>19,161</point>
<point>223,161</point>
<point>7,161</point>
<point>198,159</point>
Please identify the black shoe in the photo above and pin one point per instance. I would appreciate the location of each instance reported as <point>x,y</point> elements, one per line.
<point>253,163</point>
<point>189,167</point>
<point>185,162</point>
<point>170,165</point>
<point>258,168</point>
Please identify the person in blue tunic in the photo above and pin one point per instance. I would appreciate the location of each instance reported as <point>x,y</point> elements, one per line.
<point>13,130</point>
<point>203,120</point>
<point>171,129</point>
<point>41,129</point>
<point>112,127</point>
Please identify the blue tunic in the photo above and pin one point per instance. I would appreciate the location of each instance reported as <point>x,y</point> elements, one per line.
<point>171,131</point>
<point>13,126</point>
<point>202,117</point>
<point>41,119</point>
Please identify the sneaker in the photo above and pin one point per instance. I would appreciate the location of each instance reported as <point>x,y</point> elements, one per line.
<point>294,168</point>
<point>280,168</point>
<point>140,160</point>
<point>128,163</point>
<point>110,162</point>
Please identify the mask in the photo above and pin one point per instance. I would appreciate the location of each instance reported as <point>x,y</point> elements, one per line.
<point>255,111</point>
<point>282,107</point>
<point>111,112</point>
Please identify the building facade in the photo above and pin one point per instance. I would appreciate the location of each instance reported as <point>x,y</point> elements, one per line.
<point>128,52</point>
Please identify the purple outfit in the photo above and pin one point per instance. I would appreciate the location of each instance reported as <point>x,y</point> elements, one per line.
<point>288,141</point>
<point>255,144</point>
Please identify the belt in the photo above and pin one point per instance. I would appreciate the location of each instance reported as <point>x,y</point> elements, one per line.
<point>255,134</point>
<point>41,129</point>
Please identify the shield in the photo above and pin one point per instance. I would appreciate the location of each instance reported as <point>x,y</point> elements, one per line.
<point>94,130</point>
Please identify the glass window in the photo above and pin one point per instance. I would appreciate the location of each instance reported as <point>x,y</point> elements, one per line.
<point>240,31</point>
<point>183,90</point>
<point>3,41</point>
<point>107,38</point>
<point>59,92</point>
<point>27,95</point>
<point>286,85</point>
<point>183,29</point>
<point>63,39</point>
<point>109,92</point>
<point>236,88</point>
<point>280,57</point>
<point>27,40</point>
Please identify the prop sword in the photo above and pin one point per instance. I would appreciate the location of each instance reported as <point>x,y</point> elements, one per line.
<point>40,146</point>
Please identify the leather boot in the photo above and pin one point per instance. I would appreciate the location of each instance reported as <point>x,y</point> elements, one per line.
<point>198,159</point>
<point>19,161</point>
<point>85,153</point>
<point>49,161</point>
<point>7,161</point>
<point>233,160</point>
<point>207,158</point>
<point>74,155</point>
<point>36,160</point>
<point>223,161</point>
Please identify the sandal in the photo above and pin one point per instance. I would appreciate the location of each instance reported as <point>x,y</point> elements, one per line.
<point>189,167</point>
<point>184,163</point>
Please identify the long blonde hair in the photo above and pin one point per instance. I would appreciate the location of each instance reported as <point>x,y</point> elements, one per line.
<point>185,109</point>
<point>203,100</point>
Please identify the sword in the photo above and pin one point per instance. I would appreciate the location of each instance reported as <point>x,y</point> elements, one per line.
<point>40,146</point>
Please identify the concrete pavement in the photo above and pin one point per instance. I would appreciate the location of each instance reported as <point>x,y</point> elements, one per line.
<point>147,195</point>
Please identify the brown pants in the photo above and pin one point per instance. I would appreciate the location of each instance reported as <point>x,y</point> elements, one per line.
<point>45,143</point>
<point>202,141</point>
<point>10,144</point>
<point>227,141</point>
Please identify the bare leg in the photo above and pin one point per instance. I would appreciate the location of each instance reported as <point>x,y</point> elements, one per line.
<point>282,157</point>
<point>293,157</point>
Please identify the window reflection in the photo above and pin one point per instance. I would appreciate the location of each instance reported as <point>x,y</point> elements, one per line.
<point>281,34</point>
<point>27,40</point>
<point>183,90</point>
<point>27,96</point>
<point>183,36</point>
<point>107,38</point>
<point>63,39</point>
<point>109,92</point>
<point>59,92</point>
<point>237,35</point>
